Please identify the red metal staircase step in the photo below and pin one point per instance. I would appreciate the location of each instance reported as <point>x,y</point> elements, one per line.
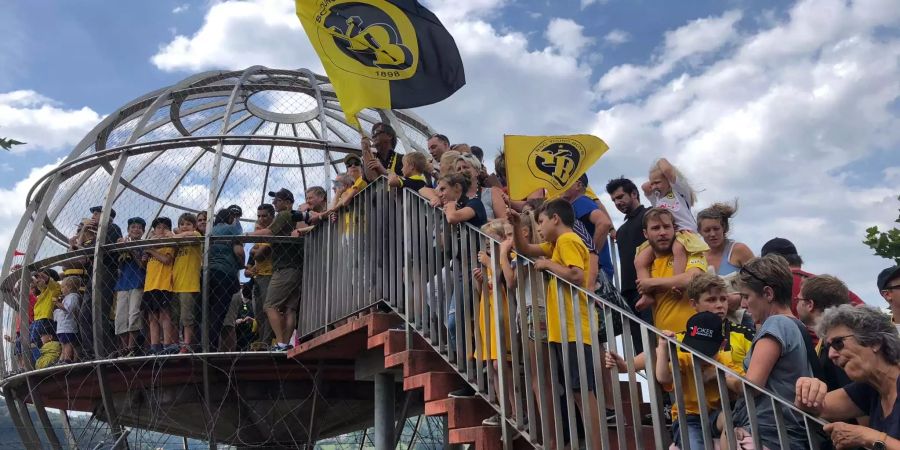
<point>461,412</point>
<point>416,362</point>
<point>436,385</point>
<point>394,341</point>
<point>482,437</point>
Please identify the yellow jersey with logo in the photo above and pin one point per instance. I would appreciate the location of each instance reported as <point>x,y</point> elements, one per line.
<point>159,275</point>
<point>672,311</point>
<point>570,251</point>
<point>186,270</point>
<point>43,307</point>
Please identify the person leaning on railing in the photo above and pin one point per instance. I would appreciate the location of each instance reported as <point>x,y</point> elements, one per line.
<point>780,353</point>
<point>865,343</point>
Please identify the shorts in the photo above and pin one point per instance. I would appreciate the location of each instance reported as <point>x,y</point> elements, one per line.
<point>231,315</point>
<point>284,289</point>
<point>156,300</point>
<point>539,322</point>
<point>41,327</point>
<point>188,308</point>
<point>67,338</point>
<point>128,311</point>
<point>557,348</point>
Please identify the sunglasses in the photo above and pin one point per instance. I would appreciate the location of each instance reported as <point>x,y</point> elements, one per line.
<point>352,164</point>
<point>755,276</point>
<point>837,342</point>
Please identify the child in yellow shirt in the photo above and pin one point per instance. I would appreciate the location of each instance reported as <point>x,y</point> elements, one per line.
<point>158,288</point>
<point>186,278</point>
<point>565,256</point>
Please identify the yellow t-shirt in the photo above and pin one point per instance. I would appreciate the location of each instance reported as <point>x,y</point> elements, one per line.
<point>689,389</point>
<point>43,306</point>
<point>489,331</point>
<point>186,270</point>
<point>159,275</point>
<point>50,352</point>
<point>264,266</point>
<point>671,312</point>
<point>737,347</point>
<point>360,184</point>
<point>570,251</point>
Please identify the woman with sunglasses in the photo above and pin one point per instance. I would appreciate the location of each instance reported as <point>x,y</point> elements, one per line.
<point>779,354</point>
<point>866,345</point>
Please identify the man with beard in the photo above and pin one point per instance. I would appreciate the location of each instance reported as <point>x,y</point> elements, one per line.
<point>672,309</point>
<point>629,236</point>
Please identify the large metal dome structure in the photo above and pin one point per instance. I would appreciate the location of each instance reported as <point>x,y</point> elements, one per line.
<point>228,137</point>
<point>214,139</point>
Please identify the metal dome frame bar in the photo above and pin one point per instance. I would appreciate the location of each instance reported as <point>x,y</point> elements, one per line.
<point>93,153</point>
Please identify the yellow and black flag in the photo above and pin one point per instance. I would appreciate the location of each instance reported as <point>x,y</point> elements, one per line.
<point>382,53</point>
<point>553,163</point>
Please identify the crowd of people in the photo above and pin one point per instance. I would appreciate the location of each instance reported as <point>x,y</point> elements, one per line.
<point>804,337</point>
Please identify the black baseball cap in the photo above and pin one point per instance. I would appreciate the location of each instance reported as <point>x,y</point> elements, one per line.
<point>236,210</point>
<point>779,246</point>
<point>704,333</point>
<point>137,220</point>
<point>96,209</point>
<point>886,276</point>
<point>282,194</point>
<point>160,220</point>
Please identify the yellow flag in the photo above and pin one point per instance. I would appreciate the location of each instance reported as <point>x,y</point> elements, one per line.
<point>386,54</point>
<point>553,163</point>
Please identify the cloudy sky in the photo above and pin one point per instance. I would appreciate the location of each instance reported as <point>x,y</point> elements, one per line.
<point>792,108</point>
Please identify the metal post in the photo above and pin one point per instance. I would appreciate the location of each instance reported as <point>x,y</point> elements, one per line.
<point>384,411</point>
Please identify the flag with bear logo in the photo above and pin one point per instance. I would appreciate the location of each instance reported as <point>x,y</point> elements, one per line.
<point>388,54</point>
<point>553,163</point>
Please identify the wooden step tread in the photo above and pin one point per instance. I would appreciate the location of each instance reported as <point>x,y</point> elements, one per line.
<point>436,385</point>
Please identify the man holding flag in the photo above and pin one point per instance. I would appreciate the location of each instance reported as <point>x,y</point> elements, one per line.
<point>387,54</point>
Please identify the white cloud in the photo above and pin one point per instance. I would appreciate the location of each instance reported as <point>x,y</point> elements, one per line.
<point>586,3</point>
<point>222,40</point>
<point>617,37</point>
<point>41,122</point>
<point>772,116</point>
<point>775,122</point>
<point>567,36</point>
<point>181,8</point>
<point>698,38</point>
<point>12,202</point>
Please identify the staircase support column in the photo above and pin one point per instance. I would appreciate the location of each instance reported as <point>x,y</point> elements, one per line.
<point>384,411</point>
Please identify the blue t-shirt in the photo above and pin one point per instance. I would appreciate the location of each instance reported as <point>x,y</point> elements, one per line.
<point>583,207</point>
<point>866,398</point>
<point>131,276</point>
<point>221,254</point>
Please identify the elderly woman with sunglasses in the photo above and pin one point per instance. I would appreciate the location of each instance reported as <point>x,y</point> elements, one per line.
<point>779,354</point>
<point>866,345</point>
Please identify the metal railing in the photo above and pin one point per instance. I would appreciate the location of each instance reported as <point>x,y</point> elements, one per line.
<point>439,259</point>
<point>391,247</point>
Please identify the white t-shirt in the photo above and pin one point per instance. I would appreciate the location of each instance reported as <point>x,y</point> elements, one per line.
<point>678,202</point>
<point>65,316</point>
